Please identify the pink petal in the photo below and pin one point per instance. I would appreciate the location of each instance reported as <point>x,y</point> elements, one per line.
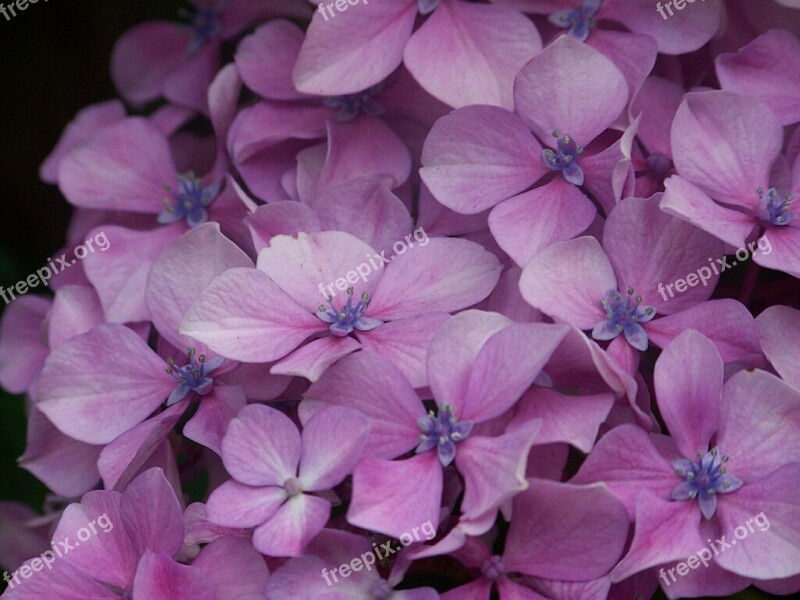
<point>567,281</point>
<point>311,361</point>
<point>758,435</point>
<point>388,497</point>
<point>440,275</point>
<point>22,349</point>
<point>119,274</point>
<point>565,531</point>
<point>265,60</point>
<point>158,577</point>
<point>477,156</point>
<point>372,385</point>
<point>172,288</point>
<point>278,218</point>
<point>784,254</point>
<point>754,72</point>
<point>491,43</point>
<point>92,396</point>
<point>778,330</point>
<point>216,410</point>
<point>527,224</point>
<point>657,101</point>
<point>245,573</point>
<point>303,265</point>
<point>76,309</point>
<point>685,200</point>
<point>633,54</point>
<point>124,166</point>
<point>294,525</point>
<point>688,382</point>
<point>151,513</point>
<point>354,50</point>
<point>234,504</point>
<point>261,447</point>
<point>726,144</point>
<point>188,84</point>
<point>143,58</point>
<point>572,88</point>
<point>405,343</point>
<point>333,443</point>
<point>245,316</point>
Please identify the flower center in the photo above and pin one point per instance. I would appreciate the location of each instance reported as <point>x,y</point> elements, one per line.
<point>494,568</point>
<point>193,377</point>
<point>442,431</point>
<point>189,201</point>
<point>775,209</point>
<point>381,590</point>
<point>204,25</point>
<point>623,315</point>
<point>565,158</point>
<point>705,478</point>
<point>580,21</point>
<point>292,486</point>
<point>349,106</point>
<point>659,164</point>
<point>344,320</point>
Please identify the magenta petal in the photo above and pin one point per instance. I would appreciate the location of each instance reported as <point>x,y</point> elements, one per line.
<point>759,417</point>
<point>245,573</point>
<point>351,52</point>
<point>685,200</point>
<point>785,253</point>
<point>311,360</point>
<point>294,525</point>
<point>216,410</point>
<point>124,166</point>
<point>375,387</point>
<point>754,72</point>
<point>261,446</point>
<point>279,218</point>
<point>665,531</point>
<point>93,396</point>
<point>688,382</point>
<point>779,334</point>
<point>236,505</point>
<point>76,309</point>
<point>528,223</point>
<point>119,274</point>
<point>494,468</point>
<point>477,156</point>
<point>245,316</point>
<point>567,281</point>
<point>441,275</point>
<point>681,32</point>
<point>143,58</point>
<point>564,531</point>
<point>158,577</point>
<point>188,85</point>
<point>151,513</point>
<point>66,466</point>
<point>626,460</point>
<point>770,503</point>
<point>572,88</point>
<point>657,101</point>
<point>388,497</point>
<point>265,60</point>
<point>726,144</point>
<point>64,582</point>
<point>333,441</point>
<point>22,350</point>
<point>633,54</point>
<point>491,43</point>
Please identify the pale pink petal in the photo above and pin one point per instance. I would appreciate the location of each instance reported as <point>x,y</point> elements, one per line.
<point>294,525</point>
<point>778,332</point>
<point>311,361</point>
<point>23,348</point>
<point>784,253</point>
<point>208,425</point>
<point>158,577</point>
<point>234,504</point>
<point>245,574</point>
<point>151,513</point>
<point>266,58</point>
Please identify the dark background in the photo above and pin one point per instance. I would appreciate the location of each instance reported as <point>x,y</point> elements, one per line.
<point>54,61</point>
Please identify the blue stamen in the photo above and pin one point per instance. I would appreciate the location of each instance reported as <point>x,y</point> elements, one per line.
<point>193,377</point>
<point>705,478</point>
<point>426,7</point>
<point>442,431</point>
<point>204,25</point>
<point>580,21</point>
<point>623,315</point>
<point>189,201</point>
<point>349,317</point>
<point>349,106</point>
<point>775,209</point>
<point>565,158</point>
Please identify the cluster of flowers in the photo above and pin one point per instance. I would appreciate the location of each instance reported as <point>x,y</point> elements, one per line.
<point>518,383</point>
